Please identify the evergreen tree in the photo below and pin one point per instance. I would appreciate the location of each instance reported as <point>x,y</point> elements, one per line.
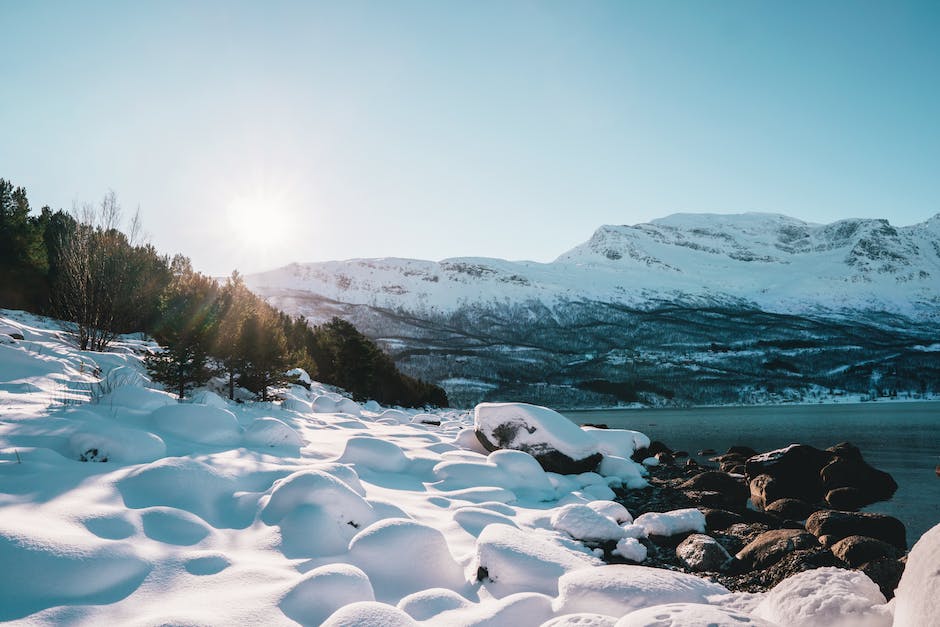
<point>263,348</point>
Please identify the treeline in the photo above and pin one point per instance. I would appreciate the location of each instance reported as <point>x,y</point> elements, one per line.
<point>85,269</point>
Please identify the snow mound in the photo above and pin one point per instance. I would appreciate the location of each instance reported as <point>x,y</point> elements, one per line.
<point>124,376</point>
<point>512,470</point>
<point>533,429</point>
<point>271,432</point>
<point>374,454</point>
<point>402,556</point>
<point>522,608</point>
<point>138,398</point>
<point>918,594</point>
<point>582,619</point>
<point>301,375</point>
<point>323,591</point>
<point>467,439</point>
<point>475,519</point>
<point>513,560</point>
<point>182,483</point>
<point>320,489</point>
<point>617,589</point>
<point>429,603</point>
<point>826,596</point>
<point>115,444</point>
<point>173,526</point>
<point>690,615</point>
<point>612,509</point>
<point>630,548</point>
<point>626,470</point>
<point>198,423</point>
<point>210,398</point>
<point>369,614</point>
<point>394,417</point>
<point>672,523</point>
<point>40,572</point>
<point>299,405</point>
<point>618,442</point>
<point>585,523</point>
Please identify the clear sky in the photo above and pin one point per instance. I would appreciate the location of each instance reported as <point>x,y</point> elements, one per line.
<point>255,134</point>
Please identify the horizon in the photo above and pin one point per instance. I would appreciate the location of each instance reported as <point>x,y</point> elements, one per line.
<point>252,137</point>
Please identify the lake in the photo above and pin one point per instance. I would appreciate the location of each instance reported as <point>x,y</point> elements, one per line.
<point>901,438</point>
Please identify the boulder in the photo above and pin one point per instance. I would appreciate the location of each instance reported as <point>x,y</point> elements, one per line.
<point>769,547</point>
<point>764,490</point>
<point>857,550</point>
<point>718,519</point>
<point>847,498</point>
<point>790,509</point>
<point>744,451</point>
<point>734,492</point>
<point>795,470</point>
<point>853,472</point>
<point>838,525</point>
<point>886,572</point>
<point>558,444</point>
<point>702,553</point>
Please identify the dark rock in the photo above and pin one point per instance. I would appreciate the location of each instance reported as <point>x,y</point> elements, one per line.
<point>550,459</point>
<point>599,425</point>
<point>733,492</point>
<point>736,469</point>
<point>745,451</point>
<point>718,519</point>
<point>764,490</point>
<point>795,470</point>
<point>770,546</point>
<point>857,550</point>
<point>664,458</point>
<point>790,509</point>
<point>710,498</point>
<point>787,566</point>
<point>885,572</point>
<point>850,499</point>
<point>853,472</point>
<point>702,553</point>
<point>680,454</point>
<point>738,535</point>
<point>706,451</point>
<point>658,447</point>
<point>844,524</point>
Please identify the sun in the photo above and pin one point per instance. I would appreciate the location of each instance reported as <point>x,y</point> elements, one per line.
<point>258,221</point>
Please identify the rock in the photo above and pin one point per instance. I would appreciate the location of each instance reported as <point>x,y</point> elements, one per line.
<point>709,498</point>
<point>844,524</point>
<point>734,492</point>
<point>680,454</point>
<point>702,553</point>
<point>885,572</point>
<point>706,451</point>
<point>765,489</point>
<point>795,470</point>
<point>847,498</point>
<point>718,519</point>
<point>558,444</point>
<point>665,458</point>
<point>738,535</point>
<point>853,472</point>
<point>792,563</point>
<point>745,451</point>
<point>790,509</point>
<point>856,550</point>
<point>769,547</point>
<point>736,469</point>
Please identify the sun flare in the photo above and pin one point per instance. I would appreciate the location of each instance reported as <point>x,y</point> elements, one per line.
<point>257,221</point>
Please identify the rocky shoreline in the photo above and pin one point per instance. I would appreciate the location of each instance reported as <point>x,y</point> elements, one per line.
<point>770,515</point>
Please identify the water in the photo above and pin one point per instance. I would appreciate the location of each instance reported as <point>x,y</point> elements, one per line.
<point>900,438</point>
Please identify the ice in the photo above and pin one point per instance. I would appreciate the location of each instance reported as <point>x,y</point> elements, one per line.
<point>672,523</point>
<point>917,600</point>
<point>198,423</point>
<point>403,556</point>
<point>615,590</point>
<point>827,596</point>
<point>324,590</point>
<point>690,615</point>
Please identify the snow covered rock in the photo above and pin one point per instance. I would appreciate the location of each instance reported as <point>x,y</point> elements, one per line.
<point>555,442</point>
<point>617,589</point>
<point>210,398</point>
<point>582,619</point>
<point>628,471</point>
<point>271,432</point>
<point>111,443</point>
<point>826,596</point>
<point>618,442</point>
<point>137,398</point>
<point>612,509</point>
<point>511,560</point>
<point>917,598</point>
<point>374,454</point>
<point>323,591</point>
<point>369,614</point>
<point>321,489</point>
<point>585,523</point>
<point>198,423</point>
<point>403,556</point>
<point>672,523</point>
<point>690,615</point>
<point>427,604</point>
<point>630,548</point>
<point>522,608</point>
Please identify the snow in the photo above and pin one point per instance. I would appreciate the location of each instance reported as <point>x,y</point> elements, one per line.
<point>690,615</point>
<point>533,428</point>
<point>210,512</point>
<point>672,523</point>
<point>917,600</point>
<point>826,596</point>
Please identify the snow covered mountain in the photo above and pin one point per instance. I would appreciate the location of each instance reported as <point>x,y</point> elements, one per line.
<point>689,280</point>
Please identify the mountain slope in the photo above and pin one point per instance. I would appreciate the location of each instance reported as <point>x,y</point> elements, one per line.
<point>579,329</point>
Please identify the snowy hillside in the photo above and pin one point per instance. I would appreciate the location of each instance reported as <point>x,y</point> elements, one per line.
<point>119,505</point>
<point>729,308</point>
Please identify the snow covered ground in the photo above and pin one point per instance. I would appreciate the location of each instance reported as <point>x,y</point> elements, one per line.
<point>318,510</point>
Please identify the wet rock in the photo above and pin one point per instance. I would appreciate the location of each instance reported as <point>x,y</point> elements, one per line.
<point>885,572</point>
<point>850,499</point>
<point>745,451</point>
<point>790,509</point>
<point>857,550</point>
<point>771,546</point>
<point>702,553</point>
<point>849,470</point>
<point>680,454</point>
<point>794,470</point>
<point>718,519</point>
<point>840,525</point>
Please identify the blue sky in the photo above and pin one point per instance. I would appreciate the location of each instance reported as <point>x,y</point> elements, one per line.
<point>254,134</point>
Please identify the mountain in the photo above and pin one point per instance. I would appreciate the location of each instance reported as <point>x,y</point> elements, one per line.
<point>691,308</point>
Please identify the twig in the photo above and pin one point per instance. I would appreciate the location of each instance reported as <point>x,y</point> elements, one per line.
<point>17,453</point>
